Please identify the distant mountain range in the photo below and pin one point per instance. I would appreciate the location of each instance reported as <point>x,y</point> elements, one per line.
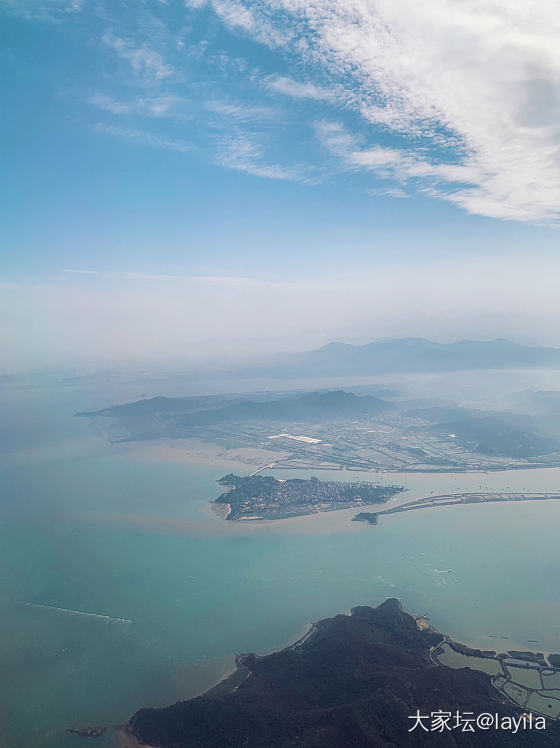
<point>407,355</point>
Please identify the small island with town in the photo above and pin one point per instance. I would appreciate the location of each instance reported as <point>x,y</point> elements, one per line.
<point>258,497</point>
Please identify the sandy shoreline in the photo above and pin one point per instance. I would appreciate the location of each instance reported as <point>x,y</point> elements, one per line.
<point>126,740</point>
<point>221,510</point>
<point>199,452</point>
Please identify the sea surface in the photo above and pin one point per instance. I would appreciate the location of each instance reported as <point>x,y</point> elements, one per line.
<point>119,588</point>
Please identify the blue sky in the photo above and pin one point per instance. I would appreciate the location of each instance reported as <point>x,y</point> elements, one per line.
<point>301,171</point>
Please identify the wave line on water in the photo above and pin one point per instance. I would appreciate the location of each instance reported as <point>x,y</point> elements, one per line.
<point>101,616</point>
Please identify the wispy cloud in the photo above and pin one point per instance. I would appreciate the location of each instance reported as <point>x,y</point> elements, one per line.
<point>147,64</point>
<point>252,19</point>
<point>465,91</point>
<point>397,192</point>
<point>73,271</point>
<point>240,111</point>
<point>165,106</point>
<point>111,105</point>
<point>474,84</point>
<point>141,137</point>
<point>133,275</point>
<point>299,90</point>
<point>42,10</point>
<point>394,164</point>
<point>243,153</point>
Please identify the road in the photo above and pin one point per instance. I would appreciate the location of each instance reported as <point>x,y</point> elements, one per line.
<point>455,499</point>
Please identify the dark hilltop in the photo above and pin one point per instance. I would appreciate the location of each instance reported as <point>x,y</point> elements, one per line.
<point>351,681</point>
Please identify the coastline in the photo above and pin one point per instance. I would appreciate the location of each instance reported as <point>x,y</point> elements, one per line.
<point>198,452</point>
<point>327,522</point>
<point>220,510</point>
<point>236,671</point>
<point>505,677</point>
<point>125,739</point>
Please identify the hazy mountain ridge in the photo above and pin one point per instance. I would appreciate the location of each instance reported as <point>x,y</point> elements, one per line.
<point>408,355</point>
<point>196,411</point>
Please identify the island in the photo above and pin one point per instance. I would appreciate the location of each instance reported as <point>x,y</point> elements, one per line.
<point>257,497</point>
<point>88,732</point>
<point>360,680</point>
<point>369,517</point>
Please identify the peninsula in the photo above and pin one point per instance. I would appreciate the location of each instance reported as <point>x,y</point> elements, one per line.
<point>265,497</point>
<point>339,429</point>
<point>356,680</point>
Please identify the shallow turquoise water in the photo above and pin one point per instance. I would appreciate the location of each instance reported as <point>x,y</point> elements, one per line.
<point>94,530</point>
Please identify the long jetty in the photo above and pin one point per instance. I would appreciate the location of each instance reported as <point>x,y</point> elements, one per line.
<point>457,499</point>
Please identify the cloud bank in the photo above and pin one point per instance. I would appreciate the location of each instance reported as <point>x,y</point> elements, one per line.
<point>471,87</point>
<point>86,315</point>
<point>457,100</point>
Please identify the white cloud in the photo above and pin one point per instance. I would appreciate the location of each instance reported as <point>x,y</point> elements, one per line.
<point>80,272</point>
<point>144,138</point>
<point>336,138</point>
<point>243,153</point>
<point>397,192</point>
<point>111,105</point>
<point>241,112</point>
<point>299,90</point>
<point>42,10</point>
<point>253,20</point>
<point>147,63</point>
<point>468,90</point>
<point>136,276</point>
<point>165,106</point>
<point>474,82</point>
